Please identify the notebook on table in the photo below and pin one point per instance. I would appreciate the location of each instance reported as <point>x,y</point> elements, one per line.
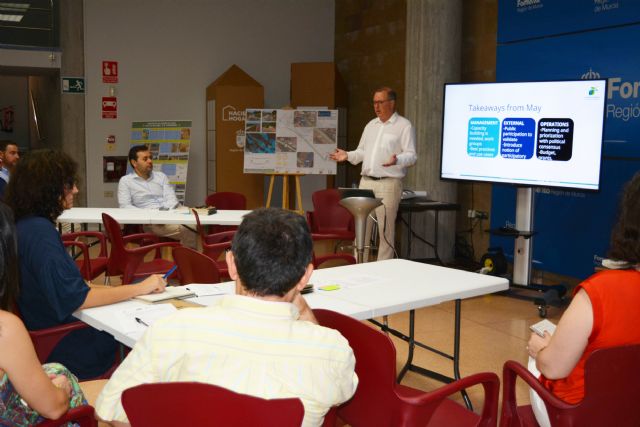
<point>170,292</point>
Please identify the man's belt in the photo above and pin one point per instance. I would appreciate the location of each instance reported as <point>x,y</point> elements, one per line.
<point>375,178</point>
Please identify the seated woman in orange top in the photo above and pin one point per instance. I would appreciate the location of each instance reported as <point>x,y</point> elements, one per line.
<point>603,313</point>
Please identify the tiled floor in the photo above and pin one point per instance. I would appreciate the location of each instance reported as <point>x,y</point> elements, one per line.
<point>494,329</point>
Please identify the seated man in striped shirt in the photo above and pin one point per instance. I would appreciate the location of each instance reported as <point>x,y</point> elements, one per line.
<point>263,341</point>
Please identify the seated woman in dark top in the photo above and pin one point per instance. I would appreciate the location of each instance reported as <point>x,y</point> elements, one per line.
<point>21,375</point>
<point>42,185</point>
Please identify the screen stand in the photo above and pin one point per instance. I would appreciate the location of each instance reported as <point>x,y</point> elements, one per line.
<point>523,246</point>
<point>521,286</point>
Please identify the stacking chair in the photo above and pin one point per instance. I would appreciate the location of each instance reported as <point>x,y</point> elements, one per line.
<point>225,200</point>
<point>321,259</point>
<point>129,262</point>
<point>214,245</point>
<point>611,390</point>
<point>329,220</point>
<point>198,404</point>
<point>89,267</point>
<point>380,401</point>
<point>82,415</point>
<point>45,340</point>
<point>195,267</point>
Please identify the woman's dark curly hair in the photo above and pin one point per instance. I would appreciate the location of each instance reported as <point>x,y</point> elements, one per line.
<point>8,259</point>
<point>38,184</point>
<point>625,236</point>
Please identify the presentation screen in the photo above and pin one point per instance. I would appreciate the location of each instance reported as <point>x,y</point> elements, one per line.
<point>546,134</point>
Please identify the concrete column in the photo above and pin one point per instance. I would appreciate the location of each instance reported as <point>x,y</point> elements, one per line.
<point>434,39</point>
<point>71,105</point>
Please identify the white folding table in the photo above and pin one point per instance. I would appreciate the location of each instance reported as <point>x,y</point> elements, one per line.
<point>365,291</point>
<point>150,216</point>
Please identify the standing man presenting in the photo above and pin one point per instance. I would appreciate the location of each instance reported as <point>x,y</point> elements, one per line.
<point>9,156</point>
<point>387,147</point>
<point>148,189</point>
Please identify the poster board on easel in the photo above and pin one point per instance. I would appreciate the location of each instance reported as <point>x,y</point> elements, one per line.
<point>288,143</point>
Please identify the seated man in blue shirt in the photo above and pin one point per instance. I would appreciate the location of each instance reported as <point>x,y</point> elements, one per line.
<point>148,189</point>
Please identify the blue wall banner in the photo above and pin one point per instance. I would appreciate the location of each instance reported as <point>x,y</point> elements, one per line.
<point>573,227</point>
<point>527,19</point>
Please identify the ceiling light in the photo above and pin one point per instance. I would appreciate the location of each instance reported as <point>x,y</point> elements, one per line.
<point>14,7</point>
<point>11,18</point>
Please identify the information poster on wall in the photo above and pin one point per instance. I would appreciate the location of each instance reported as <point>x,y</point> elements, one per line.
<point>290,141</point>
<point>169,143</point>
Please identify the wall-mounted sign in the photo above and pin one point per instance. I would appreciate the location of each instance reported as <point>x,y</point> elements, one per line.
<point>73,85</point>
<point>109,71</point>
<point>111,143</point>
<point>113,168</point>
<point>109,107</point>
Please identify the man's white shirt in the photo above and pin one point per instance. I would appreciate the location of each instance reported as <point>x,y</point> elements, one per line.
<point>153,193</point>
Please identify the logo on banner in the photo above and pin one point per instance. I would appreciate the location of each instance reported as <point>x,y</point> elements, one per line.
<point>622,96</point>
<point>605,5</point>
<point>590,75</point>
<point>230,114</point>
<point>527,5</point>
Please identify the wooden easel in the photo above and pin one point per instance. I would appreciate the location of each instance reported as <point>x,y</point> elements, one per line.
<point>285,190</point>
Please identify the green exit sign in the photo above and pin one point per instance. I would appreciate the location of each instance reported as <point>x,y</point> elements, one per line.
<point>73,85</point>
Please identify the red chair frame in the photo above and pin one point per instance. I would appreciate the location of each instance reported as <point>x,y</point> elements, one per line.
<point>329,218</point>
<point>199,404</point>
<point>611,383</point>
<point>214,245</point>
<point>321,259</point>
<point>225,200</point>
<point>82,415</point>
<point>129,262</point>
<point>90,268</point>
<point>45,340</point>
<point>195,267</point>
<point>380,401</point>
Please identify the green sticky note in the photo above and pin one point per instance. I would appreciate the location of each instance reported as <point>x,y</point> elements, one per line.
<point>329,287</point>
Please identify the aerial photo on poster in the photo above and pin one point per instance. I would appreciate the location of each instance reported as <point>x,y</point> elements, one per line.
<point>290,141</point>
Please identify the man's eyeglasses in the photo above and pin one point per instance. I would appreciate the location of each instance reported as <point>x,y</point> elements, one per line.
<point>380,102</point>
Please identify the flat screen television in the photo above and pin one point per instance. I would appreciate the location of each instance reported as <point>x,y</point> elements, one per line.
<point>543,134</point>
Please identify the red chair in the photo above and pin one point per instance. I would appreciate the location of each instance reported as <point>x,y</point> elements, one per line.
<point>45,340</point>
<point>129,262</point>
<point>321,259</point>
<point>380,401</point>
<point>328,217</point>
<point>84,416</point>
<point>89,267</point>
<point>195,267</point>
<point>198,404</point>
<point>225,200</point>
<point>214,245</point>
<point>611,390</point>
<point>329,220</point>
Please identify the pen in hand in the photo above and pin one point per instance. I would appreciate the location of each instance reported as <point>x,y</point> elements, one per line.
<point>142,322</point>
<point>168,273</point>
